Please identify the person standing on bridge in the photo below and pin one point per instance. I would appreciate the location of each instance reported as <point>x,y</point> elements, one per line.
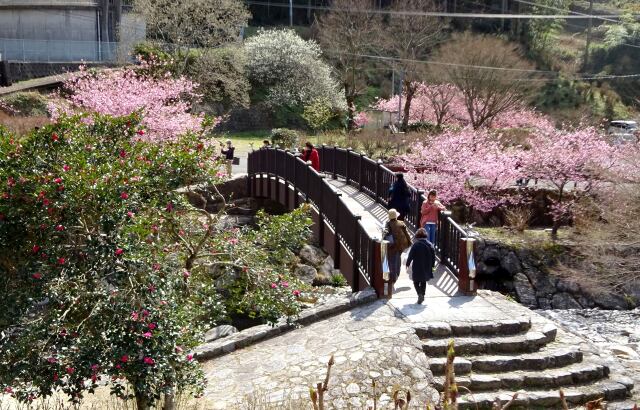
<point>421,259</point>
<point>400,196</point>
<point>310,154</point>
<point>399,240</point>
<point>429,211</point>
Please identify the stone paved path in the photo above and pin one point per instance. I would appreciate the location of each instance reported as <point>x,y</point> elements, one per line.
<point>369,343</point>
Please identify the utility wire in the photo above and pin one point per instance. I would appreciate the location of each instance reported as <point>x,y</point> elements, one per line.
<point>431,13</point>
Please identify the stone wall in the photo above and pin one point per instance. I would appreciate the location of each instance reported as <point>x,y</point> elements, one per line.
<point>527,274</point>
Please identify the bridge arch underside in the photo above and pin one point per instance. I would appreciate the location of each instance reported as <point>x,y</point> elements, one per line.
<point>324,233</point>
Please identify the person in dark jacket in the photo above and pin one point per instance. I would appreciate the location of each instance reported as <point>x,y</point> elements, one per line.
<point>400,196</point>
<point>228,155</point>
<point>423,256</point>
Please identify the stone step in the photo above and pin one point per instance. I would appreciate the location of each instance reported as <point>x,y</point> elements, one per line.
<point>454,329</point>
<point>574,374</point>
<point>531,341</point>
<point>546,358</point>
<point>609,390</point>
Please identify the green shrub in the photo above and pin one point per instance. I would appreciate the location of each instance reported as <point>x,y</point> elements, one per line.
<point>284,137</point>
<point>339,281</point>
<point>27,104</point>
<point>423,127</point>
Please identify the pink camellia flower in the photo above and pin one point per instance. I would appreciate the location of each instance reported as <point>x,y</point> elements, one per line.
<point>124,358</point>
<point>59,228</point>
<point>147,335</point>
<point>273,286</point>
<point>66,168</point>
<point>169,207</point>
<point>134,315</point>
<point>35,249</point>
<point>186,274</point>
<point>61,261</point>
<point>189,357</point>
<point>151,288</point>
<point>296,293</point>
<point>37,276</point>
<point>145,313</point>
<point>118,367</point>
<point>52,360</point>
<point>178,349</point>
<point>154,228</point>
<point>130,214</point>
<point>70,370</point>
<point>45,202</point>
<point>233,241</point>
<point>54,137</point>
<point>152,326</point>
<point>119,251</point>
<point>156,266</point>
<point>148,360</point>
<point>95,367</point>
<point>141,132</point>
<point>284,284</point>
<point>58,180</point>
<point>123,153</point>
<point>124,195</point>
<point>8,390</point>
<point>55,377</point>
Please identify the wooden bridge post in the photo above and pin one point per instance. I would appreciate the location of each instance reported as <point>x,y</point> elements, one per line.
<point>378,165</point>
<point>361,171</point>
<point>346,165</point>
<point>321,218</point>
<point>268,152</point>
<point>335,158</point>
<point>295,187</point>
<point>444,237</point>
<point>356,250</point>
<point>336,259</point>
<point>419,201</point>
<point>466,263</point>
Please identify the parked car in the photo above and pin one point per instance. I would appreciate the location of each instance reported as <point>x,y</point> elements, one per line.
<point>623,131</point>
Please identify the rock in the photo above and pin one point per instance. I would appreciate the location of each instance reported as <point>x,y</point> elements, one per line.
<point>524,290</point>
<point>511,263</point>
<point>326,269</point>
<point>219,332</point>
<point>608,300</point>
<point>564,300</point>
<point>625,352</point>
<point>306,273</point>
<point>313,255</point>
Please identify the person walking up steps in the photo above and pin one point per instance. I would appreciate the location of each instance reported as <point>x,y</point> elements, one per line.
<point>421,259</point>
<point>398,235</point>
<point>310,154</point>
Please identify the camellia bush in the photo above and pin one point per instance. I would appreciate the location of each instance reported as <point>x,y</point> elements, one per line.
<point>110,275</point>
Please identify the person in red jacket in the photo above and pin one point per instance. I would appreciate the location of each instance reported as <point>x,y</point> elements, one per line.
<point>310,154</point>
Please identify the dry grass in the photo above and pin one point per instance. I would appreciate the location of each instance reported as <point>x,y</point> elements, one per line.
<point>22,125</point>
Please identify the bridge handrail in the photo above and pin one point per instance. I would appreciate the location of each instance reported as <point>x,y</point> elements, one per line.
<point>371,177</point>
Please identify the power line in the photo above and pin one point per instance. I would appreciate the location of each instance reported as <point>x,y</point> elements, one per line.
<point>430,13</point>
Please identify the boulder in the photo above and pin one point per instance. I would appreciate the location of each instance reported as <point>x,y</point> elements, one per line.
<point>306,273</point>
<point>326,269</point>
<point>525,292</point>
<point>219,332</point>
<point>312,255</point>
<point>511,263</point>
<point>564,300</point>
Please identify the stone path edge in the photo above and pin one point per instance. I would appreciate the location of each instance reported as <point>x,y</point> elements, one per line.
<point>260,333</point>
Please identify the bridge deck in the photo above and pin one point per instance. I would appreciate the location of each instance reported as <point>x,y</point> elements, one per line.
<point>374,217</point>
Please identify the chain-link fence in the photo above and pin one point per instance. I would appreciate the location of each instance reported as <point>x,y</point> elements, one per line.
<point>62,50</point>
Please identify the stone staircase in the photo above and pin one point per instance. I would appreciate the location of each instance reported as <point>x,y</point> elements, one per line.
<point>496,359</point>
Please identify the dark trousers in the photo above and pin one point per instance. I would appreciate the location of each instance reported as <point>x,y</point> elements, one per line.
<point>421,287</point>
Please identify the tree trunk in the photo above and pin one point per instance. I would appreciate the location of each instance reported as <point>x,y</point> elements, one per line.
<point>351,109</point>
<point>169,401</point>
<point>141,402</point>
<point>409,93</point>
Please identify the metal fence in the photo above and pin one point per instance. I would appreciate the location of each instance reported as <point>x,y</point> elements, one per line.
<point>62,50</point>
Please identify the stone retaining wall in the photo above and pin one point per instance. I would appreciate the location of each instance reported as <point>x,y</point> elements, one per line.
<point>528,275</point>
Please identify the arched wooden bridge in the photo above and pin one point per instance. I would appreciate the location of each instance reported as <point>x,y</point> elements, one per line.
<point>349,201</point>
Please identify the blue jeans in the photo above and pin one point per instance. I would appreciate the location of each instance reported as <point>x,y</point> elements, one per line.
<point>431,229</point>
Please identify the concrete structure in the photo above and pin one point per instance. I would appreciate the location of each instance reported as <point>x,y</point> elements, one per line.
<point>65,30</point>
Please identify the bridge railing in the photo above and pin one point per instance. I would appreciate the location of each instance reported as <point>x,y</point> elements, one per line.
<point>376,179</point>
<point>270,169</point>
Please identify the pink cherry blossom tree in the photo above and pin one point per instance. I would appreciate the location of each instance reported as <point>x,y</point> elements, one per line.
<point>164,102</point>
